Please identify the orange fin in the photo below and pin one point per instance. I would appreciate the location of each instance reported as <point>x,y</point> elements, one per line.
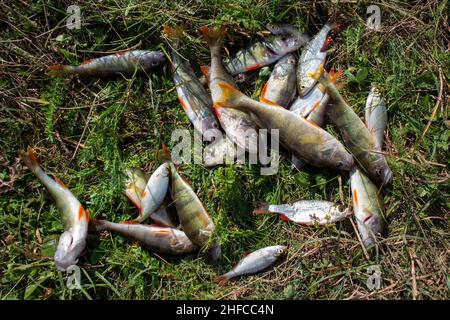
<point>214,37</point>
<point>355,198</point>
<point>270,102</point>
<point>58,71</point>
<point>59,181</point>
<point>205,70</point>
<point>284,218</point>
<point>80,212</point>
<point>335,76</point>
<point>173,33</point>
<point>263,92</point>
<point>254,67</point>
<point>87,215</point>
<point>29,157</point>
<point>166,152</point>
<point>221,281</point>
<point>182,103</point>
<point>129,222</point>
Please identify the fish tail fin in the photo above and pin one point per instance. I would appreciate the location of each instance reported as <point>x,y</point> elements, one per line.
<point>29,157</point>
<point>166,153</point>
<point>230,96</point>
<point>205,71</point>
<point>59,70</point>
<point>262,209</point>
<point>337,23</point>
<point>221,280</point>
<point>173,33</point>
<point>214,37</point>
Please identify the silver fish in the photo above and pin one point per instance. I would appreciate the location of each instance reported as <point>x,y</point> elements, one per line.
<point>126,62</point>
<point>368,207</point>
<point>160,239</point>
<point>311,58</point>
<point>254,262</point>
<point>307,212</point>
<point>75,218</point>
<point>376,116</point>
<point>281,88</point>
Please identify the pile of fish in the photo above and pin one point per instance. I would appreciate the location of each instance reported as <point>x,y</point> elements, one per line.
<point>298,99</point>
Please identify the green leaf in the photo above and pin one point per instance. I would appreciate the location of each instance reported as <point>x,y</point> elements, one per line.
<point>361,75</point>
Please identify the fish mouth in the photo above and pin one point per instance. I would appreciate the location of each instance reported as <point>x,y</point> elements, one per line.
<point>388,177</point>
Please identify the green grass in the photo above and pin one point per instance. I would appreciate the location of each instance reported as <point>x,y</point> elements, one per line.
<point>87,131</point>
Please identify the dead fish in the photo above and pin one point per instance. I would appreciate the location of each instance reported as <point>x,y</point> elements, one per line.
<point>307,212</point>
<point>126,62</point>
<point>368,207</point>
<point>161,239</point>
<point>135,188</point>
<point>355,134</point>
<point>303,138</point>
<point>311,58</point>
<point>194,219</point>
<point>254,262</point>
<point>281,88</point>
<point>194,99</point>
<point>75,218</point>
<point>238,125</point>
<point>376,116</point>
<point>284,39</point>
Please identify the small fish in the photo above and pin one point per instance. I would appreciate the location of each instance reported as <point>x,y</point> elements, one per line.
<point>376,116</point>
<point>126,62</point>
<point>281,88</point>
<point>160,239</point>
<point>193,97</point>
<point>135,187</point>
<point>368,207</point>
<point>311,58</point>
<point>75,218</point>
<point>238,125</point>
<point>355,134</point>
<point>307,212</point>
<point>256,261</point>
<point>194,219</point>
<point>284,39</point>
<point>153,195</point>
<point>303,138</point>
<point>221,151</point>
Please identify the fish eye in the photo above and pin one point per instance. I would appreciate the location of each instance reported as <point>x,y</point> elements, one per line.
<point>340,165</point>
<point>154,63</point>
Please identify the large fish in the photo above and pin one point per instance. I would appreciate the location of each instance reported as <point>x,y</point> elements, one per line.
<point>194,99</point>
<point>307,212</point>
<point>75,218</point>
<point>160,239</point>
<point>147,196</point>
<point>368,207</point>
<point>284,39</point>
<point>281,88</point>
<point>303,138</point>
<point>256,261</point>
<point>376,116</point>
<point>313,55</point>
<point>355,134</point>
<point>194,219</point>
<point>238,125</point>
<point>126,63</point>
